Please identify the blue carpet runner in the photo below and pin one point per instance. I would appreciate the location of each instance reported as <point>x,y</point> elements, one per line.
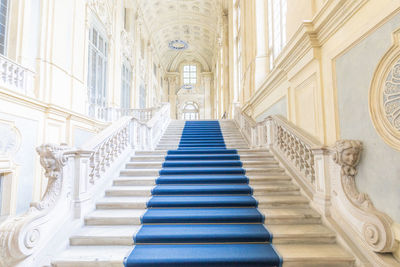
<point>202,212</point>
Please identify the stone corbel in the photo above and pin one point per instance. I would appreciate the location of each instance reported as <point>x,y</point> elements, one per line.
<point>21,236</point>
<point>372,226</point>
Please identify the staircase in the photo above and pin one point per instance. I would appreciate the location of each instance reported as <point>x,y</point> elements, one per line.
<point>109,231</point>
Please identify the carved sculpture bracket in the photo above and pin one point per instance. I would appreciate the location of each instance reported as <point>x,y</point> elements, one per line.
<point>19,236</point>
<point>376,226</point>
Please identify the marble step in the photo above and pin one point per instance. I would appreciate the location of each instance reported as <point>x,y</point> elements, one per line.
<point>314,255</point>
<point>123,235</point>
<point>258,190</point>
<point>115,217</point>
<point>244,151</point>
<point>272,216</point>
<point>290,216</point>
<point>151,180</point>
<point>272,201</point>
<point>158,165</point>
<point>92,256</point>
<point>161,158</point>
<point>299,255</point>
<point>155,172</point>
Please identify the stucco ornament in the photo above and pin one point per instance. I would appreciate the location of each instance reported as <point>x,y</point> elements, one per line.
<point>391,96</point>
<point>374,226</point>
<point>21,235</point>
<point>52,159</point>
<point>104,9</point>
<point>347,155</point>
<point>384,95</point>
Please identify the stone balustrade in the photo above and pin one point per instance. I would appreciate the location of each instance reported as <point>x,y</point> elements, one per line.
<point>327,175</point>
<point>16,77</point>
<point>76,179</point>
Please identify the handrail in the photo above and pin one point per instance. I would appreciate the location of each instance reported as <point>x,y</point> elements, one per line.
<point>76,178</point>
<point>322,171</point>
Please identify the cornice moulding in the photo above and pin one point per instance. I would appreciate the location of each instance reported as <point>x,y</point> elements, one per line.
<point>47,108</point>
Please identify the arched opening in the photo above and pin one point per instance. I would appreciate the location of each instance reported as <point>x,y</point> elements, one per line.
<point>190,111</point>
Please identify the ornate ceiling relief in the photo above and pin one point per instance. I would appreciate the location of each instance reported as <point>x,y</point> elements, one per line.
<point>384,95</point>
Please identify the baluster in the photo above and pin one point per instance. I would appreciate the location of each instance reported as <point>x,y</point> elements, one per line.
<point>4,68</point>
<point>97,165</point>
<point>102,153</point>
<point>92,167</point>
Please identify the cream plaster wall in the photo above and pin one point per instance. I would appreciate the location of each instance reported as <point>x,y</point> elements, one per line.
<point>379,171</point>
<point>50,38</point>
<point>279,108</point>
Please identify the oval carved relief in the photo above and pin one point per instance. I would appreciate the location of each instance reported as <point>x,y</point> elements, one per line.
<point>384,95</point>
<point>391,96</point>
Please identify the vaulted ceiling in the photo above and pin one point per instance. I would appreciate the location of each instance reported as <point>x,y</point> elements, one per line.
<point>193,21</point>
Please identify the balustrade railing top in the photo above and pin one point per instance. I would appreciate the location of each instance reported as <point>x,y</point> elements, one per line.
<point>15,77</point>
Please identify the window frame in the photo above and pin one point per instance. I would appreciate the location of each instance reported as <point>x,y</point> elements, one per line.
<point>189,77</point>
<point>6,27</point>
<point>126,85</point>
<point>97,89</point>
<point>277,15</point>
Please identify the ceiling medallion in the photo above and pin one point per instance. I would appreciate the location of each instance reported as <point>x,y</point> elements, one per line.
<point>187,86</point>
<point>178,45</point>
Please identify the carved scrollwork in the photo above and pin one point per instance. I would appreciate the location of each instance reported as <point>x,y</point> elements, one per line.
<point>21,235</point>
<point>52,159</point>
<point>376,226</point>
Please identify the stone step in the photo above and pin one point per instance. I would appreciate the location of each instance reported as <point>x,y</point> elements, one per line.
<point>302,233</point>
<point>272,216</point>
<point>115,217</point>
<point>135,202</point>
<point>314,255</point>
<point>244,151</point>
<point>92,256</point>
<point>290,216</point>
<point>158,164</point>
<point>161,158</point>
<point>299,255</point>
<point>135,180</point>
<point>123,235</point>
<point>139,172</point>
<point>258,190</point>
<point>151,180</point>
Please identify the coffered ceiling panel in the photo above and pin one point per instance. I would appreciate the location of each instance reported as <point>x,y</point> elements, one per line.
<point>193,21</point>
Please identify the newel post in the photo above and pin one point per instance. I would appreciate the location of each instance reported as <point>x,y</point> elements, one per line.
<point>269,132</point>
<point>322,194</point>
<point>81,181</point>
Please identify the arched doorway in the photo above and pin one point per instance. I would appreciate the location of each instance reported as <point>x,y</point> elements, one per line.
<point>190,111</point>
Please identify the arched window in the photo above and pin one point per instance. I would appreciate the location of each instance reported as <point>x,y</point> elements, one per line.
<point>190,111</point>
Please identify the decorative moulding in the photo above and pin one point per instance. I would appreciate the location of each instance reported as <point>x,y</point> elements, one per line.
<point>372,225</point>
<point>11,138</point>
<point>384,95</point>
